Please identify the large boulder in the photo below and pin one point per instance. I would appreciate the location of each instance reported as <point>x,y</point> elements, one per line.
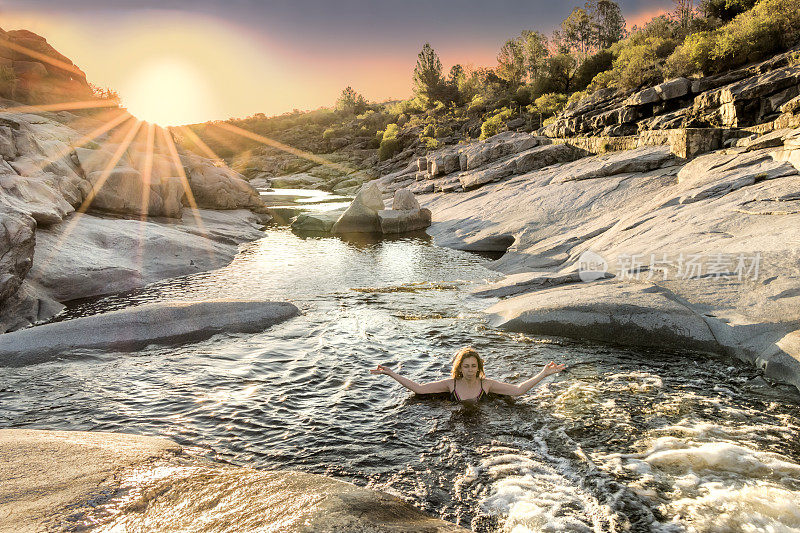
<point>607,311</point>
<point>38,198</point>
<point>122,190</point>
<point>132,328</point>
<point>361,216</point>
<point>403,221</point>
<point>173,196</point>
<point>220,188</point>
<point>404,200</point>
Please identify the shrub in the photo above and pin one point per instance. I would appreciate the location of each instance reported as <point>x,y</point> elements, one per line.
<point>329,134</point>
<point>390,144</point>
<point>388,148</point>
<point>477,105</point>
<point>594,65</point>
<point>495,124</point>
<point>428,131</point>
<point>550,104</point>
<point>431,143</point>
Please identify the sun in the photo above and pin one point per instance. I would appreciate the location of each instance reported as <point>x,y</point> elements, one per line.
<point>167,91</point>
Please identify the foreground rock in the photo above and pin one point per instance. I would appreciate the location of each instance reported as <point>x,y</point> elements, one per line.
<point>55,479</point>
<point>132,328</point>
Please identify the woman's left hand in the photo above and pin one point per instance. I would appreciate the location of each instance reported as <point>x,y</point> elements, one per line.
<point>552,368</point>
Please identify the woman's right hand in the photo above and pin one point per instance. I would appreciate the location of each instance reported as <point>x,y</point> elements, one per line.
<point>380,370</point>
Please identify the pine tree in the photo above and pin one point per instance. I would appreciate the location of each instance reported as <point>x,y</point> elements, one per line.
<point>428,73</point>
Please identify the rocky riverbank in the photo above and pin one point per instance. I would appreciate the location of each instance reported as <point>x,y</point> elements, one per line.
<point>83,214</point>
<point>704,253</point>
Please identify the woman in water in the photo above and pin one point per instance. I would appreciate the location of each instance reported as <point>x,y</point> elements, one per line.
<point>469,383</point>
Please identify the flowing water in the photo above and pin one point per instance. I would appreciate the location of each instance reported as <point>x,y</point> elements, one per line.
<point>625,440</point>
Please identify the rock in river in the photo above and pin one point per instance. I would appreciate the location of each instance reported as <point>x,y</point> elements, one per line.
<point>138,326</point>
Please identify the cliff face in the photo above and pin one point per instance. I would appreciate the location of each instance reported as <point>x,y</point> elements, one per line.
<point>36,72</point>
<point>741,98</point>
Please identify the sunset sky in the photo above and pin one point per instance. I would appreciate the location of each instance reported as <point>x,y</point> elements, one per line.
<point>190,61</point>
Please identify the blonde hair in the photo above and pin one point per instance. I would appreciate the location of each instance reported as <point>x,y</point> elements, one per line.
<point>463,353</point>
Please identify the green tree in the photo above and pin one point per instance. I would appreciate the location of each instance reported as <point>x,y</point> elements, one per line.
<point>577,33</point>
<point>428,73</point>
<point>683,12</point>
<point>351,102</point>
<point>608,21</point>
<point>511,62</point>
<point>535,52</point>
<point>456,74</point>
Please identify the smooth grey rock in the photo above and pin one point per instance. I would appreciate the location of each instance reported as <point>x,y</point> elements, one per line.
<point>8,150</point>
<point>105,255</point>
<point>36,197</point>
<point>607,311</point>
<point>404,200</point>
<point>641,159</point>
<point>318,222</point>
<point>645,96</point>
<point>361,216</point>
<point>122,190</point>
<point>403,221</point>
<point>17,239</point>
<point>173,196</point>
<point>129,329</point>
<point>219,187</point>
<point>674,88</point>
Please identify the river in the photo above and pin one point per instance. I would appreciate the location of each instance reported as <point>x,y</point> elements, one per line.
<point>625,440</point>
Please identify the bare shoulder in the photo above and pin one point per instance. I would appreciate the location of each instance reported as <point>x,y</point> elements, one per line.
<point>488,383</point>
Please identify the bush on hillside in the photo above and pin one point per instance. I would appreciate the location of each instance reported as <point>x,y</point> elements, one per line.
<point>496,123</point>
<point>390,144</point>
<point>550,104</point>
<point>770,27</point>
<point>594,65</point>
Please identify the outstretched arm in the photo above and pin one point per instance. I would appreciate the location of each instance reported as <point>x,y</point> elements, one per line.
<point>498,387</point>
<point>419,388</point>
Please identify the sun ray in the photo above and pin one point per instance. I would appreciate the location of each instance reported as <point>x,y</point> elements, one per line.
<point>222,139</point>
<point>63,106</point>
<point>285,147</point>
<point>94,190</point>
<point>200,144</point>
<point>173,152</point>
<point>63,65</point>
<point>147,170</point>
<point>147,173</point>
